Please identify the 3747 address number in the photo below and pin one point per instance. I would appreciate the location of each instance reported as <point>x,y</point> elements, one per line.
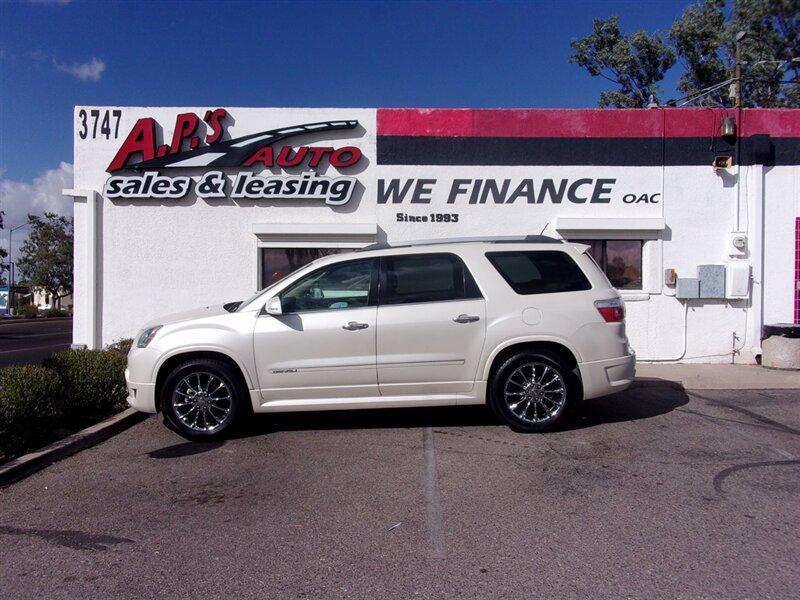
<point>88,122</point>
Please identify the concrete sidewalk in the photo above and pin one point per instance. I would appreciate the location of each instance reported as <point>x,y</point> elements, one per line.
<point>719,376</point>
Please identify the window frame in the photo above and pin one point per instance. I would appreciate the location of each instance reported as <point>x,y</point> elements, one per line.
<point>372,294</point>
<point>465,273</point>
<point>490,255</point>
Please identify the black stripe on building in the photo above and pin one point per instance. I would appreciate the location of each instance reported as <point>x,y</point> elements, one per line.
<point>505,151</point>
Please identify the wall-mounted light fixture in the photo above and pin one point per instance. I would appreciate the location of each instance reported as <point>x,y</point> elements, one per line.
<point>722,161</point>
<point>727,128</point>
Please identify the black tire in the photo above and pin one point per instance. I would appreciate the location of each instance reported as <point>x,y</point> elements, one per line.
<point>207,417</point>
<point>531,413</point>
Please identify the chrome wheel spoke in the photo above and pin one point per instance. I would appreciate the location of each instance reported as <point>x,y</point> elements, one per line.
<point>535,392</point>
<point>202,401</point>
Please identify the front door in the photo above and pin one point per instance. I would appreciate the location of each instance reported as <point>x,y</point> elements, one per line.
<point>323,345</point>
<point>431,326</point>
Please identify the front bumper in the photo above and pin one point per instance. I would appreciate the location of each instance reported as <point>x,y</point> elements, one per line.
<point>604,377</point>
<point>141,396</point>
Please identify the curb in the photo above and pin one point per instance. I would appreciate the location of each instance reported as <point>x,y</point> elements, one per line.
<point>21,467</point>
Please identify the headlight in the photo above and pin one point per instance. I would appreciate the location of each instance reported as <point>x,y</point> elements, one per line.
<point>147,336</point>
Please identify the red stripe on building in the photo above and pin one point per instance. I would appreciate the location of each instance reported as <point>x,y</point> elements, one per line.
<point>582,123</point>
<point>797,271</point>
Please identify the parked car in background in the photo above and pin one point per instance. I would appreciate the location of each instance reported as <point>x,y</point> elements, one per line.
<point>528,326</point>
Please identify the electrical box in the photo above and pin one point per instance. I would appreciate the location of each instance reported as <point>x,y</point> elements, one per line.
<point>737,279</point>
<point>712,281</point>
<point>687,288</point>
<point>737,244</point>
<point>670,277</point>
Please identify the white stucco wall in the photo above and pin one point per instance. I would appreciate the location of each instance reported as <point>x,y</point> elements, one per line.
<point>157,257</point>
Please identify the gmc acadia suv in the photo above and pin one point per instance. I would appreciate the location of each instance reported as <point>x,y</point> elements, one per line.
<point>528,325</point>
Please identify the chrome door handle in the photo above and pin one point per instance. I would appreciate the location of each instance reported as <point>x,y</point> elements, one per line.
<point>355,326</point>
<point>466,319</point>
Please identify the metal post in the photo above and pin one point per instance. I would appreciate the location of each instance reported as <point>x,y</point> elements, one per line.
<point>10,275</point>
<point>737,98</point>
<point>11,268</point>
<point>737,74</point>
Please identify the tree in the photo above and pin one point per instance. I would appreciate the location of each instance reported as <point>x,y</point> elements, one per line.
<point>703,39</point>
<point>46,256</point>
<point>770,51</point>
<point>636,63</point>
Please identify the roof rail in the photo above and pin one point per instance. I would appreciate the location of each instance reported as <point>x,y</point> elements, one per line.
<point>503,239</point>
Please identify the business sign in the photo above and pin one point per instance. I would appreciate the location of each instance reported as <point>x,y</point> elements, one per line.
<point>215,155</point>
<point>4,298</point>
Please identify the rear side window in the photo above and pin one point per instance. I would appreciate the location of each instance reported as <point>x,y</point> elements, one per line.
<point>539,271</point>
<point>426,278</point>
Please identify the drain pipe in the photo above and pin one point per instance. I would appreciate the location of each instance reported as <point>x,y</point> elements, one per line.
<point>756,235</point>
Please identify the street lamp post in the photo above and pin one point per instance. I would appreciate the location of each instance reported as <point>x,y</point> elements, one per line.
<point>11,268</point>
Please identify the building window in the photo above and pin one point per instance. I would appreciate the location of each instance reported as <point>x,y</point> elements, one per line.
<point>277,263</point>
<point>621,261</point>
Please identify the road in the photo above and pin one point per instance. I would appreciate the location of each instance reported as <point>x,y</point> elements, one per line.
<point>653,493</point>
<point>30,342</point>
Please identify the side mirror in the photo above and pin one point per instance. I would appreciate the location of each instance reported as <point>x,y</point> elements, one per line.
<point>274,306</point>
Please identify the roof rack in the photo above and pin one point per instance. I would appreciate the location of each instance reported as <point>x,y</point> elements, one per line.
<point>503,239</point>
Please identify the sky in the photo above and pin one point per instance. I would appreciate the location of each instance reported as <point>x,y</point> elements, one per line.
<point>55,54</point>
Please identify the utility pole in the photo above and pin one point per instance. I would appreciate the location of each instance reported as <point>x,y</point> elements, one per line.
<point>737,86</point>
<point>11,268</point>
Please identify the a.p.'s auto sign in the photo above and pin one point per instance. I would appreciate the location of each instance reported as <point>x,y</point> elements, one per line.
<point>216,157</point>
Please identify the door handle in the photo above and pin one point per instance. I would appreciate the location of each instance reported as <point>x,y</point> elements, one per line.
<point>355,326</point>
<point>466,318</point>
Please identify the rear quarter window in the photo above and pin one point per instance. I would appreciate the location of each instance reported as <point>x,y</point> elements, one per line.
<point>539,271</point>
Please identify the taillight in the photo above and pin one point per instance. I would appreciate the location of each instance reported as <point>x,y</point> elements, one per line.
<point>613,311</point>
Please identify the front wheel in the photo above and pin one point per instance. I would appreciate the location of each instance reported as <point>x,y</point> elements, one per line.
<point>531,391</point>
<point>202,399</point>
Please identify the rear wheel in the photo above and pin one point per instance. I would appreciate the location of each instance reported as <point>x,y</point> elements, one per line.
<point>531,391</point>
<point>203,400</point>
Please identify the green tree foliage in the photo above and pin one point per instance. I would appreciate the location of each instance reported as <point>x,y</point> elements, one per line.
<point>46,256</point>
<point>703,40</point>
<point>635,63</point>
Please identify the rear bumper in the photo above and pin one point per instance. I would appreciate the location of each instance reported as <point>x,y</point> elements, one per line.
<point>141,396</point>
<point>604,377</point>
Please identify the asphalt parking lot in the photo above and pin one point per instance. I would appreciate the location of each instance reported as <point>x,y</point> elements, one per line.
<point>653,493</point>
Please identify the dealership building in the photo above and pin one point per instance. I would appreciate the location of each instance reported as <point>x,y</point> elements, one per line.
<point>693,213</point>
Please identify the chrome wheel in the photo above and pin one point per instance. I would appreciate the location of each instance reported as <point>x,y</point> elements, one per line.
<point>535,392</point>
<point>202,402</point>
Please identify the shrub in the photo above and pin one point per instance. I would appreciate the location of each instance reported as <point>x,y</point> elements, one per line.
<point>122,346</point>
<point>29,400</point>
<point>93,380</point>
<point>55,312</point>
<point>29,311</point>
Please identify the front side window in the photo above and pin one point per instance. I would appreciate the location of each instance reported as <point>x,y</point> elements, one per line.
<point>336,287</point>
<point>416,278</point>
<point>620,260</point>
<point>539,271</point>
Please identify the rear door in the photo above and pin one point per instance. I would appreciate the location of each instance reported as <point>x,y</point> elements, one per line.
<point>431,325</point>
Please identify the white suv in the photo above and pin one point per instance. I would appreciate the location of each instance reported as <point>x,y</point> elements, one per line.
<point>529,326</point>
